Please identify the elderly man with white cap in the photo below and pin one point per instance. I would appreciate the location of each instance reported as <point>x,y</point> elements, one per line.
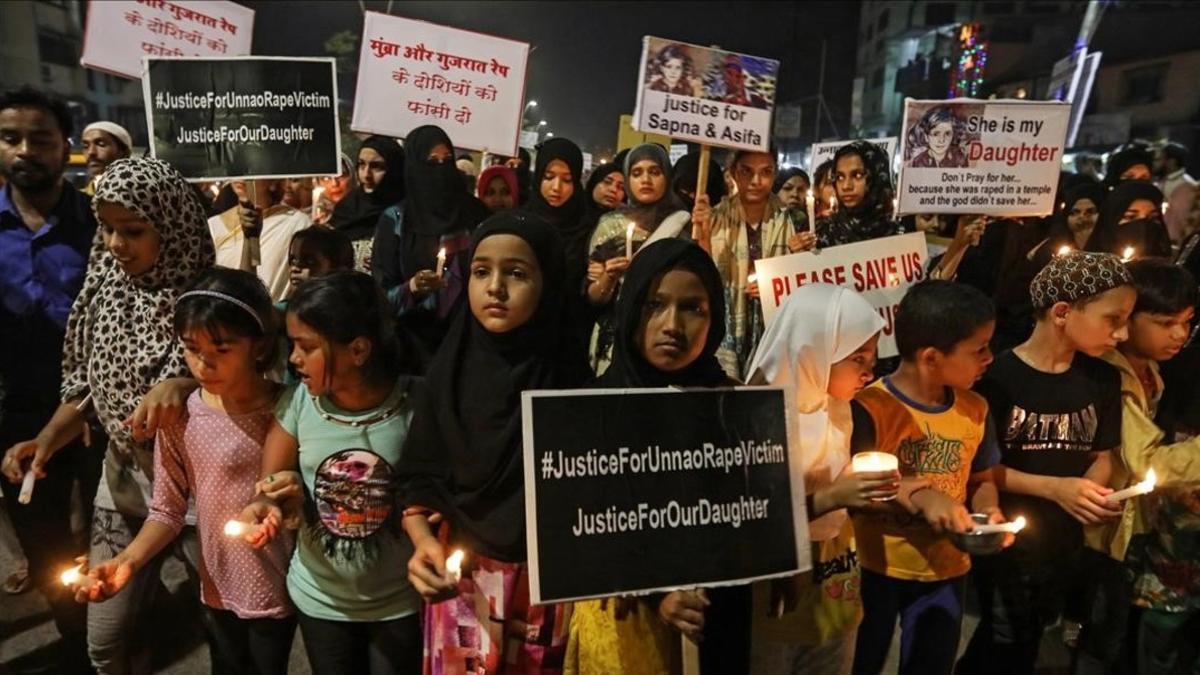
<point>104,143</point>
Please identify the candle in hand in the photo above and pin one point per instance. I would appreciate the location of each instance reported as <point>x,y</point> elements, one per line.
<point>1128,254</point>
<point>236,528</point>
<point>997,528</point>
<point>810,202</point>
<point>870,462</point>
<point>629,240</point>
<point>26,495</point>
<point>1144,487</point>
<point>75,577</point>
<point>1063,250</point>
<point>441,262</point>
<point>454,565</point>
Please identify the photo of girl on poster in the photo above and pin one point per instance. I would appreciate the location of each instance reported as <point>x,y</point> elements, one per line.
<point>937,140</point>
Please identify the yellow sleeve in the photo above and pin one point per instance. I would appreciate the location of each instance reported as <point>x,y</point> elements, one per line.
<point>1143,447</point>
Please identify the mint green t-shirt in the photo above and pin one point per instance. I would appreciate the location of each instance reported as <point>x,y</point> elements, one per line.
<point>351,556</point>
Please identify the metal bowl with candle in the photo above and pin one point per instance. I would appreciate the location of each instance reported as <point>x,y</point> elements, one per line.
<point>977,543</point>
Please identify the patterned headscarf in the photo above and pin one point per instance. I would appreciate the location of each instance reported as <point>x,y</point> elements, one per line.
<point>1075,276</point>
<point>120,341</point>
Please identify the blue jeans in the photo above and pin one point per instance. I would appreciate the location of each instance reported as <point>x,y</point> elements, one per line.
<point>930,623</point>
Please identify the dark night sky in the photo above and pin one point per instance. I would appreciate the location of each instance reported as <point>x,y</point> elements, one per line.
<point>584,65</point>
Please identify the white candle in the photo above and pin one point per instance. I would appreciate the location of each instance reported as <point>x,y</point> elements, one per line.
<point>810,202</point>
<point>316,199</point>
<point>629,240</point>
<point>441,262</point>
<point>865,462</point>
<point>998,528</point>
<point>1144,487</point>
<point>1128,254</point>
<point>26,495</point>
<point>236,528</point>
<point>832,203</point>
<point>1164,208</point>
<point>76,577</point>
<point>895,208</point>
<point>454,565</point>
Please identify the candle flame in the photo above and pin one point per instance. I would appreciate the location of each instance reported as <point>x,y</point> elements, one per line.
<point>1128,254</point>
<point>1018,524</point>
<point>1151,479</point>
<point>234,528</point>
<point>454,562</point>
<point>1064,250</point>
<point>442,253</point>
<point>72,576</point>
<point>751,278</point>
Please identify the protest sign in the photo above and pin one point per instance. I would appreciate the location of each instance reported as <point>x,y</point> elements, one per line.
<point>588,161</point>
<point>119,33</point>
<point>999,158</point>
<point>628,137</point>
<point>882,270</point>
<point>412,73</point>
<point>248,117</point>
<point>823,152</point>
<point>529,139</point>
<point>708,96</point>
<point>642,490</point>
<point>678,150</point>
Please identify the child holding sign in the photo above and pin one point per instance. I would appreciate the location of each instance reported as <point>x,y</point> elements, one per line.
<point>939,430</point>
<point>820,345</point>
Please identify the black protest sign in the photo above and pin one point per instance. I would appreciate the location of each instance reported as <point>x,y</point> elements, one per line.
<point>251,117</point>
<point>635,491</point>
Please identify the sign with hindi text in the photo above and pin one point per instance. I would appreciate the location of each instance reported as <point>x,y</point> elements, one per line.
<point>634,491</point>
<point>412,73</point>
<point>997,158</point>
<point>248,117</point>
<point>823,152</point>
<point>120,32</point>
<point>881,270</point>
<point>705,95</point>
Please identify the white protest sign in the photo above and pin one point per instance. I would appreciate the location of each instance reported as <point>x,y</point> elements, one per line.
<point>823,152</point>
<point>705,95</point>
<point>587,161</point>
<point>412,73</point>
<point>999,158</point>
<point>119,33</point>
<point>882,270</point>
<point>529,139</point>
<point>678,150</point>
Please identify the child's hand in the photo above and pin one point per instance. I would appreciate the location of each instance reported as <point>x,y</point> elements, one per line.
<point>267,516</point>
<point>858,490</point>
<point>111,576</point>
<point>427,571</point>
<point>684,610</point>
<point>941,512</point>
<point>995,516</point>
<point>33,450</point>
<point>286,489</point>
<point>1085,500</point>
<point>162,406</point>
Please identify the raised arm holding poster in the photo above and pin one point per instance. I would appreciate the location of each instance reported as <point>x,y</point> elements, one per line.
<point>882,270</point>
<point>412,73</point>
<point>250,117</point>
<point>120,32</point>
<point>1000,158</point>
<point>643,490</point>
<point>705,95</point>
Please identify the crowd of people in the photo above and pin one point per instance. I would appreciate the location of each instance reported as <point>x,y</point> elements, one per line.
<point>308,391</point>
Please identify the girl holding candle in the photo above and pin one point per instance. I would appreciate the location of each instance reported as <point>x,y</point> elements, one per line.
<point>821,346</point>
<point>655,213</point>
<point>211,457</point>
<point>331,455</point>
<point>862,179</point>
<point>462,465</point>
<point>435,215</point>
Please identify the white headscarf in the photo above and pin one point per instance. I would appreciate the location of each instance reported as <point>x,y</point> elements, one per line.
<point>815,327</point>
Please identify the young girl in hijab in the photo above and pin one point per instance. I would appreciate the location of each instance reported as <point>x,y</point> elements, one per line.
<point>463,463</point>
<point>380,171</point>
<point>821,347</point>
<point>863,181</point>
<point>654,213</point>
<point>331,454</point>
<point>669,323</point>
<point>435,217</point>
<point>120,342</point>
<point>1131,222</point>
<point>605,191</point>
<point>227,326</point>
<point>497,189</point>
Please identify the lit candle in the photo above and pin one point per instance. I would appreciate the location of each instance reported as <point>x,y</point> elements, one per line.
<point>1144,487</point>
<point>441,262</point>
<point>629,240</point>
<point>316,199</point>
<point>1128,254</point>
<point>998,528</point>
<point>454,565</point>
<point>75,577</point>
<point>1164,208</point>
<point>895,208</point>
<point>812,217</point>
<point>26,495</point>
<point>832,203</point>
<point>751,279</point>
<point>864,462</point>
<point>236,528</point>
<point>1063,250</point>
<point>893,279</point>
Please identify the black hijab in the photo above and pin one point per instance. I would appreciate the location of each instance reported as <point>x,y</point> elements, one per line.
<point>436,204</point>
<point>524,177</point>
<point>1120,161</point>
<point>687,171</point>
<point>358,212</point>
<point>650,216</point>
<point>592,210</point>
<point>463,455</point>
<point>872,218</point>
<point>1148,236</point>
<point>568,218</point>
<point>628,367</point>
<point>787,174</point>
<point>1060,234</point>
